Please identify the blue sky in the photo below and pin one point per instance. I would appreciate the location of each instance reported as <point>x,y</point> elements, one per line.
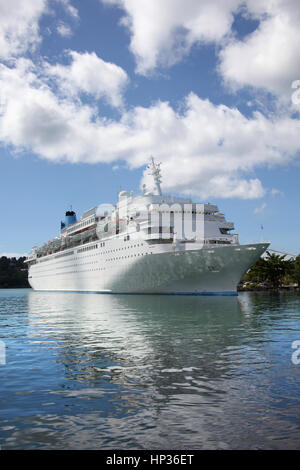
<point>88,90</point>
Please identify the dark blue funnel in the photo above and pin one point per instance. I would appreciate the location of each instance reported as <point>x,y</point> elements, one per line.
<point>70,218</point>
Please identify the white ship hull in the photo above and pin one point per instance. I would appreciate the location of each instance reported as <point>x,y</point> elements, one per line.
<point>203,270</point>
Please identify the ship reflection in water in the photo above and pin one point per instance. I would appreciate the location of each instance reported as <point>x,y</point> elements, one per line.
<point>89,371</point>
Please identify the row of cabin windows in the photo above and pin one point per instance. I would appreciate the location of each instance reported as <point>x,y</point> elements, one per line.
<point>183,212</point>
<point>68,253</point>
<point>125,248</point>
<point>130,256</point>
<point>81,250</point>
<point>111,259</point>
<point>95,269</point>
<point>93,247</point>
<point>87,248</point>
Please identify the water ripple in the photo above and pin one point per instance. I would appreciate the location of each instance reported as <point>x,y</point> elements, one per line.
<point>87,371</point>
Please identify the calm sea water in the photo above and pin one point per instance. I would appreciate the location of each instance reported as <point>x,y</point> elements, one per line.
<point>88,371</point>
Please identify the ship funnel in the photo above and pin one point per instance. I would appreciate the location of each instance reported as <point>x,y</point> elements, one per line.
<point>70,218</point>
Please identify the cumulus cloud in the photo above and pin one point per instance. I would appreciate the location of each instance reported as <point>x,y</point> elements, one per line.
<point>90,74</point>
<point>208,150</point>
<point>163,31</point>
<point>19,30</point>
<point>33,117</point>
<point>19,24</point>
<point>205,149</point>
<point>269,58</point>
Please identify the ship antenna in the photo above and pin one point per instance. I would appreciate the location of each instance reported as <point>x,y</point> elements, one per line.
<point>156,173</point>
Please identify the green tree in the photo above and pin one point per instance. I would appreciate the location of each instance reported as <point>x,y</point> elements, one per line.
<point>272,268</point>
<point>276,268</point>
<point>13,272</point>
<point>258,271</point>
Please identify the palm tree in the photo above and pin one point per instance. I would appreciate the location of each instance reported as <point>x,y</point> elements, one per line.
<point>272,268</point>
<point>258,271</point>
<point>276,268</point>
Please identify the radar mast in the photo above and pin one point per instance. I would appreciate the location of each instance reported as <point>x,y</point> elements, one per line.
<point>156,173</point>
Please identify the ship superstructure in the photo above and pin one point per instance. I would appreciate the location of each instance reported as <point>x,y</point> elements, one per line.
<point>149,243</point>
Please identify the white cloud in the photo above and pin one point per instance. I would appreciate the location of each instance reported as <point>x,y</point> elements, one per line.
<point>71,10</point>
<point>19,24</point>
<point>259,210</point>
<point>163,31</point>
<point>269,58</point>
<point>64,30</point>
<point>205,149</point>
<point>19,30</point>
<point>33,117</point>
<point>209,150</point>
<point>90,74</point>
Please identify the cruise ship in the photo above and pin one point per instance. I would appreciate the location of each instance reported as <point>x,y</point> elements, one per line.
<point>150,243</point>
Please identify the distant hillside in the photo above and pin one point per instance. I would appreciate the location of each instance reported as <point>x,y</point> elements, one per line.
<point>13,272</point>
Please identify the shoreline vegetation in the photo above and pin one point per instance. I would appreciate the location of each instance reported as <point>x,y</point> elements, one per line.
<point>13,273</point>
<point>271,272</point>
